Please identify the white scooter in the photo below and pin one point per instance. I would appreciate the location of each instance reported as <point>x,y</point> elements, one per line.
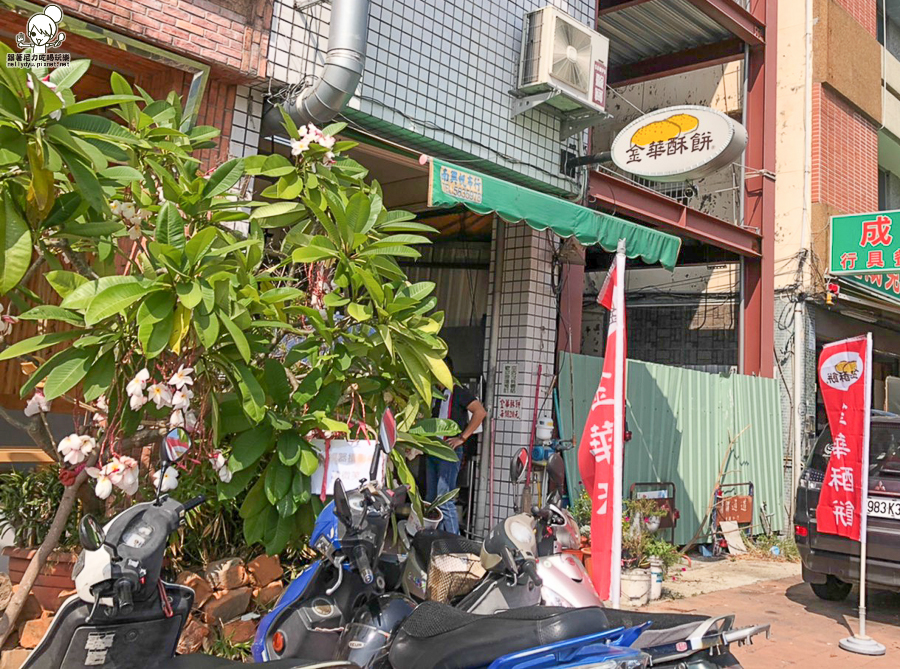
<point>123,615</point>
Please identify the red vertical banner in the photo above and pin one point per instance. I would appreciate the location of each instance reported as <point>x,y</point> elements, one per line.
<point>600,448</point>
<point>845,377</point>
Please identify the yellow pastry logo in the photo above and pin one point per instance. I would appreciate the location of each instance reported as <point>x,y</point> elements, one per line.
<point>663,131</point>
<point>841,370</point>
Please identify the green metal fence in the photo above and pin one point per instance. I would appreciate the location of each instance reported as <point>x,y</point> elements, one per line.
<point>682,422</point>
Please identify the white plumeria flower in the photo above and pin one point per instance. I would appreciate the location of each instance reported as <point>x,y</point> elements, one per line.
<point>182,377</point>
<point>103,409</point>
<point>160,395</point>
<point>137,401</point>
<point>170,479</point>
<point>182,399</point>
<point>138,383</point>
<point>104,486</point>
<point>327,142</point>
<point>135,232</point>
<point>217,460</point>
<point>70,449</point>
<point>225,475</point>
<point>37,404</point>
<point>299,146</point>
<point>88,444</point>
<point>129,482</point>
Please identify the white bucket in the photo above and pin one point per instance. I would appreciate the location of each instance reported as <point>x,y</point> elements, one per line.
<point>635,587</point>
<point>656,578</point>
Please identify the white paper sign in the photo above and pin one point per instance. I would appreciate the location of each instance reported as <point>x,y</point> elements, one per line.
<point>348,461</point>
<point>510,408</point>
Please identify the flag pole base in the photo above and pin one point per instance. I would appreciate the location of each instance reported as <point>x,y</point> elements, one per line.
<point>862,645</point>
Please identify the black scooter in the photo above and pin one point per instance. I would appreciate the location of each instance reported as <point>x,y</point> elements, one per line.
<point>123,615</point>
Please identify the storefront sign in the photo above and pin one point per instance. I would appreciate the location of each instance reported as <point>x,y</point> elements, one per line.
<point>865,243</point>
<point>679,143</point>
<point>881,286</point>
<point>461,185</point>
<point>845,378</point>
<point>510,408</point>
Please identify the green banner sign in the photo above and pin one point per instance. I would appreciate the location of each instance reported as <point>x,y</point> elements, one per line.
<point>868,243</point>
<point>882,286</point>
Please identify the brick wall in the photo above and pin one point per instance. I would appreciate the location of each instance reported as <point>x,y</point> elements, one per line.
<point>232,34</point>
<point>864,11</point>
<point>844,154</point>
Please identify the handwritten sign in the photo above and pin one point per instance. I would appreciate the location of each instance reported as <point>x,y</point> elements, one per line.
<point>348,461</point>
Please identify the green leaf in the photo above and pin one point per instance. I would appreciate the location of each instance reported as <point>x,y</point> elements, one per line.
<point>309,459</point>
<point>277,209</point>
<point>49,312</point>
<point>156,316</point>
<point>100,377</point>
<point>122,174</point>
<point>99,102</point>
<point>239,338</point>
<point>439,427</point>
<point>359,312</point>
<point>86,180</point>
<point>226,176</point>
<point>289,448</point>
<point>417,291</point>
<point>170,226</point>
<point>239,481</point>
<point>399,251</point>
<point>93,228</point>
<point>199,244</point>
<point>81,297</point>
<point>300,487</point>
<point>358,212</point>
<point>278,540</point>
<point>277,382</point>
<point>15,245</point>
<point>66,77</point>
<point>287,506</point>
<point>252,395</point>
<point>278,480</point>
<point>250,446</point>
<point>69,374</point>
<point>276,295</point>
<point>189,294</point>
<point>255,502</point>
<point>311,253</point>
<point>64,282</point>
<point>206,325</point>
<point>38,342</point>
<point>115,299</point>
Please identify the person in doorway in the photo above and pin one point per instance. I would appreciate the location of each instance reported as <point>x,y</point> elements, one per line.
<point>463,408</point>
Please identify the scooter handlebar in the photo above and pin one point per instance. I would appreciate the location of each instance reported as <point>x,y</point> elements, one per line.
<point>530,569</point>
<point>124,598</point>
<point>193,503</point>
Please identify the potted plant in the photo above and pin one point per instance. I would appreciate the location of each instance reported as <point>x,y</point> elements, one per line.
<point>636,536</point>
<point>428,515</point>
<point>27,499</point>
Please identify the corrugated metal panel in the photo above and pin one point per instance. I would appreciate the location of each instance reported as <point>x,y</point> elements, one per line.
<point>682,421</point>
<point>656,28</point>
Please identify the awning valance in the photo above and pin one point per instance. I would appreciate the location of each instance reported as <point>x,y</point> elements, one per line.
<point>450,185</point>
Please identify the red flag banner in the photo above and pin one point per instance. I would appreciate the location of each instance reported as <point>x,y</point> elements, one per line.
<point>600,448</point>
<point>845,377</point>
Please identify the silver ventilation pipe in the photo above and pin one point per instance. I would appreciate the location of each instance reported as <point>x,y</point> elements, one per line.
<point>344,63</point>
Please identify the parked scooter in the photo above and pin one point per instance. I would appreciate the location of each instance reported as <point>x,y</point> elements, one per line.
<point>349,534</point>
<point>123,614</point>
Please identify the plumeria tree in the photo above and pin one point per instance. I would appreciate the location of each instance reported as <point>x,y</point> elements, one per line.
<point>257,326</point>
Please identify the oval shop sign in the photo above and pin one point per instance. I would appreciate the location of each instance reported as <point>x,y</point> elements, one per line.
<point>679,143</point>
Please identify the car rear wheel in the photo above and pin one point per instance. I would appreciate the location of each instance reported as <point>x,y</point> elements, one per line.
<point>832,590</point>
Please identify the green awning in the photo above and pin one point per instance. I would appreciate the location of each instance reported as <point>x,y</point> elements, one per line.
<point>450,185</point>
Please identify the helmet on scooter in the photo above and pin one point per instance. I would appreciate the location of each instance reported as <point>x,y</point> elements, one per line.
<point>367,638</point>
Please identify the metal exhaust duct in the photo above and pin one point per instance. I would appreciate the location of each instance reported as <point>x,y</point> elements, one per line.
<point>344,64</point>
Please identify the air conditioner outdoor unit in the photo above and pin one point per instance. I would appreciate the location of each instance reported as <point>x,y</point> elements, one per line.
<point>563,67</point>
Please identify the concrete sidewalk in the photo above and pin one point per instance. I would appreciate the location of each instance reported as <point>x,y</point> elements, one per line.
<point>805,629</point>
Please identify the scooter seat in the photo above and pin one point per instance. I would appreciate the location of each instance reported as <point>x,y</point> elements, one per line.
<point>666,628</point>
<point>210,662</point>
<point>438,636</point>
<point>426,542</point>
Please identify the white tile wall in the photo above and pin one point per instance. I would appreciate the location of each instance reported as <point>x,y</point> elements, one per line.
<point>248,106</point>
<point>528,337</point>
<point>441,68</point>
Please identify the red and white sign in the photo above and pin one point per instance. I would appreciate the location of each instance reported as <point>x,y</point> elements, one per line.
<point>600,449</point>
<point>845,377</point>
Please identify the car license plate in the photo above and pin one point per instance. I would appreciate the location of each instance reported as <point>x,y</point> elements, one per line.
<point>884,507</point>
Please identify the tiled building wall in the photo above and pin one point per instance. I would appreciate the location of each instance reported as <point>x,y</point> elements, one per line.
<point>527,337</point>
<point>440,69</point>
<point>844,154</point>
<point>693,335</point>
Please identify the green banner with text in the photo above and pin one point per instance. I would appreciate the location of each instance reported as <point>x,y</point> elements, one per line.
<point>865,243</point>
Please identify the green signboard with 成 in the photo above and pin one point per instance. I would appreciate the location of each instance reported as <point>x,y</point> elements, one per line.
<point>865,244</point>
<point>881,286</point>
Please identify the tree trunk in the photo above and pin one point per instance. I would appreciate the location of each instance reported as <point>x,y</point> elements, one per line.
<point>8,621</point>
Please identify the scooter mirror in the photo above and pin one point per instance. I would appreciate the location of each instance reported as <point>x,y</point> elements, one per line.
<point>90,533</point>
<point>556,470</point>
<point>176,444</point>
<point>518,466</point>
<point>342,504</point>
<point>388,431</point>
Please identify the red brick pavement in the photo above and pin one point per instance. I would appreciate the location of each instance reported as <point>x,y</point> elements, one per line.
<point>805,629</point>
